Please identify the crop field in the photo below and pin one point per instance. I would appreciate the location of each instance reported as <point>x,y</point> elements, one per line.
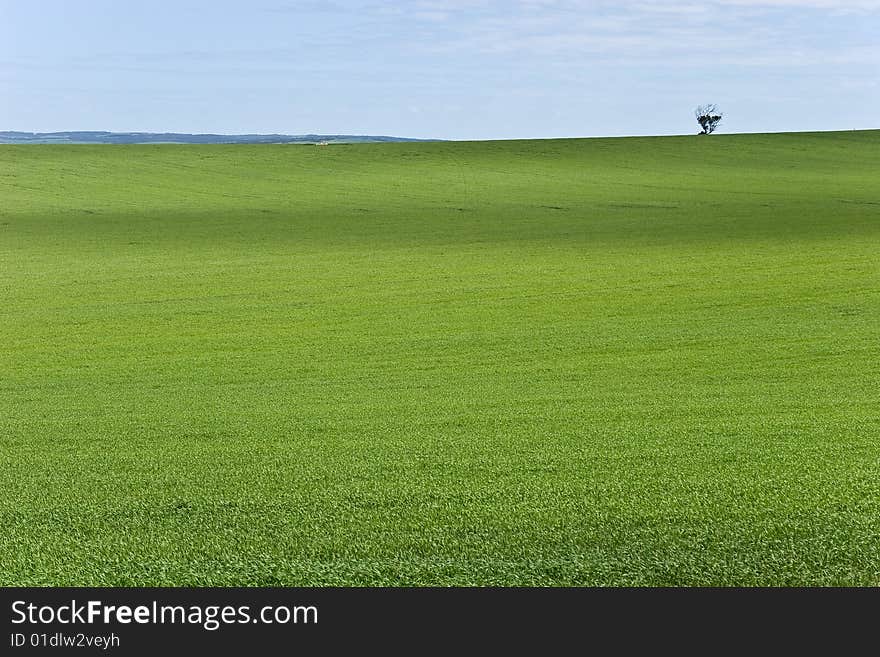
<point>641,361</point>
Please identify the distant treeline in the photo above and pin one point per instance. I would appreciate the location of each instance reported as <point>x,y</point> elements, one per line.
<point>181,138</point>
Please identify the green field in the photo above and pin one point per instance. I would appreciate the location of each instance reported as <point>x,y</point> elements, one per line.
<point>645,361</point>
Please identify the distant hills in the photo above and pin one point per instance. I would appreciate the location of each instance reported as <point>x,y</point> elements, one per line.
<point>92,137</point>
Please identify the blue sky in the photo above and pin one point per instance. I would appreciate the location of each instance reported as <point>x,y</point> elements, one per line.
<point>455,69</point>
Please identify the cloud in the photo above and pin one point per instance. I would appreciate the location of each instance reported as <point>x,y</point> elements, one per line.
<point>838,5</point>
<point>554,34</point>
<point>735,32</point>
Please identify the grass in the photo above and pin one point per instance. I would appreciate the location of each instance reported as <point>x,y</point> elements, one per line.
<point>571,362</point>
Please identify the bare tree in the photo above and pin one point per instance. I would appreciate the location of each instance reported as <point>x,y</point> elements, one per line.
<point>708,117</point>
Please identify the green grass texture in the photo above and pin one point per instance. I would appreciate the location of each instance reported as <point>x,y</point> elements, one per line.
<point>637,361</point>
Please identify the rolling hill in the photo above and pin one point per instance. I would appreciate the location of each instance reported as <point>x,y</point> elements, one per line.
<point>641,361</point>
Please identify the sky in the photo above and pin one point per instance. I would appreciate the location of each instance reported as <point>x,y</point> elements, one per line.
<point>453,69</point>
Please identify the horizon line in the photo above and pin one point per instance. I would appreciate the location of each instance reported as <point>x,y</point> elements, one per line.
<point>400,138</point>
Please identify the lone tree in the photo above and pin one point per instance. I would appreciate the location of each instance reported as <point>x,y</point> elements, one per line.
<point>708,117</point>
